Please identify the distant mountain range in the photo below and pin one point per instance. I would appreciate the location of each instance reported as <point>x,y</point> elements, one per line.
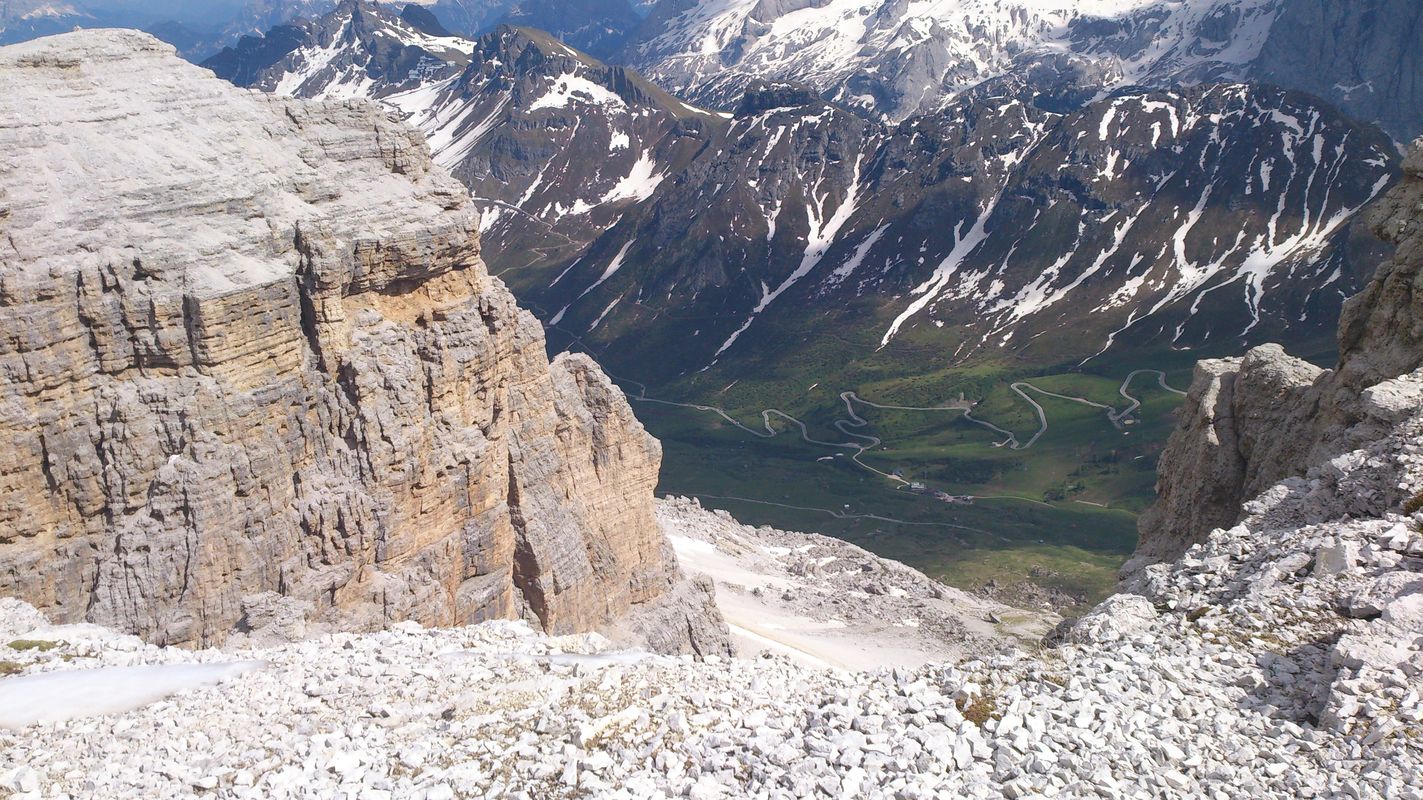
<point>197,30</point>
<point>892,59</point>
<point>597,26</point>
<point>895,59</point>
<point>668,238</point>
<point>200,30</point>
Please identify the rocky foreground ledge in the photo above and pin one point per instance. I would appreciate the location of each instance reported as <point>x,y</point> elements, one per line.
<point>1281,658</point>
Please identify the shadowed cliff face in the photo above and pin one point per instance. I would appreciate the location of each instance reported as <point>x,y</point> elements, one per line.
<point>1366,56</point>
<point>1250,422</point>
<point>254,369</point>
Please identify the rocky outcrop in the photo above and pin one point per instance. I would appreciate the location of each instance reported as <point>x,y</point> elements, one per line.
<point>1250,422</point>
<point>254,371</point>
<point>764,96</point>
<point>1291,500</point>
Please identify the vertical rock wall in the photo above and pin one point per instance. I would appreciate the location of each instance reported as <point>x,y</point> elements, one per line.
<point>254,374</point>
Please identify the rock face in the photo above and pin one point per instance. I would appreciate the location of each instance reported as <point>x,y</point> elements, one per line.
<point>594,26</point>
<point>1250,422</point>
<point>358,49</point>
<point>1366,56</point>
<point>254,371</point>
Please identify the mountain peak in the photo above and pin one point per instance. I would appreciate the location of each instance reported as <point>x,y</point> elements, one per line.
<point>358,49</point>
<point>515,39</point>
<point>893,59</point>
<point>421,19</point>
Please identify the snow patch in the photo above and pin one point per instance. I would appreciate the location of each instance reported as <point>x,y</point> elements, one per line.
<point>71,694</point>
<point>569,88</point>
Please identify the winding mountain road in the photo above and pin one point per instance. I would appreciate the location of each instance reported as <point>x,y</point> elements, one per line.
<point>867,442</point>
<point>1116,417</point>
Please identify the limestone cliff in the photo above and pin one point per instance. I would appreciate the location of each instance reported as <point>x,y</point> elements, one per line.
<point>253,372</point>
<point>1250,422</point>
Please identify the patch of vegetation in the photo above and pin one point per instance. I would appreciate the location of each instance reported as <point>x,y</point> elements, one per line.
<point>1067,505</point>
<point>37,645</point>
<point>1413,504</point>
<point>979,710</point>
<point>10,668</point>
<point>783,483</point>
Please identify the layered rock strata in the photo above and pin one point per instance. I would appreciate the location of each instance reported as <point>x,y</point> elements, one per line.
<point>254,375</point>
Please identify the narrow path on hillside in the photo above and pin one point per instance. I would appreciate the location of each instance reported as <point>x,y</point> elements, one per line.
<point>847,515</point>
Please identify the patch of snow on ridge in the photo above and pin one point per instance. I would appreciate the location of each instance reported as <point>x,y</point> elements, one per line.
<point>820,237</point>
<point>569,88</point>
<point>606,312</point>
<point>610,271</point>
<point>312,62</point>
<point>640,182</point>
<point>929,290</point>
<point>441,113</point>
<point>858,257</point>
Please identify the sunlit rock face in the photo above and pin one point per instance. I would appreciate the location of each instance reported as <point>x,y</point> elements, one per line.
<point>253,368</point>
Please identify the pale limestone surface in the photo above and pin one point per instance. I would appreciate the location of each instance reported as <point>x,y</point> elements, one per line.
<point>824,602</point>
<point>253,372</point>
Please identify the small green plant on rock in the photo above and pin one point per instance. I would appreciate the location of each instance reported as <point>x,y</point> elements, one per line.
<point>979,710</point>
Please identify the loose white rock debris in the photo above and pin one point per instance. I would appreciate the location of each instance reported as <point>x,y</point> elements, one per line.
<point>68,694</point>
<point>1279,659</point>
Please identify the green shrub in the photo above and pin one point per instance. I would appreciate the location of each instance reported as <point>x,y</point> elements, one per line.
<point>980,710</point>
<point>34,644</point>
